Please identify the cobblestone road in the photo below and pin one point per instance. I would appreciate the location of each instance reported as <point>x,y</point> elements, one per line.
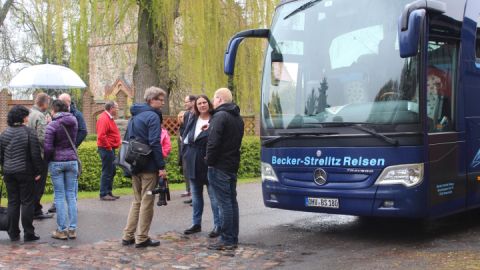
<point>269,239</point>
<point>175,252</point>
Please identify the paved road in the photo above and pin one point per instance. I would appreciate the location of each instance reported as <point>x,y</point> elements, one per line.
<point>309,240</point>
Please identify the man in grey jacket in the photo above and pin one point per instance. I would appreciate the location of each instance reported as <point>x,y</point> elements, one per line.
<point>38,120</point>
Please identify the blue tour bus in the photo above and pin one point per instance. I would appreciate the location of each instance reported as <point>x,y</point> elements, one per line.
<point>370,107</point>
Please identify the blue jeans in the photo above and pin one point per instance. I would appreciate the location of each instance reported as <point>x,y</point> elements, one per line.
<point>197,203</point>
<point>224,186</point>
<point>64,178</point>
<point>108,171</point>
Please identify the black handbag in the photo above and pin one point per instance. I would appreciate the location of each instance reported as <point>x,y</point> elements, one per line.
<point>4,224</point>
<point>137,154</point>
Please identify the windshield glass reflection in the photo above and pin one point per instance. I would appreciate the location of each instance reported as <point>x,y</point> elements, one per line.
<point>338,61</point>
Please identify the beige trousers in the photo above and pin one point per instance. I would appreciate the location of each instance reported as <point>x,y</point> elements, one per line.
<point>141,211</point>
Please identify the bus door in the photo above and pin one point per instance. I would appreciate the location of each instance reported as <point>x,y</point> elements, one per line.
<point>471,82</point>
<point>445,171</point>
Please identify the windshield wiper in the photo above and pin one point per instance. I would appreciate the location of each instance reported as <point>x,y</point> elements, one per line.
<point>362,128</point>
<point>302,8</point>
<point>285,135</point>
<point>378,135</point>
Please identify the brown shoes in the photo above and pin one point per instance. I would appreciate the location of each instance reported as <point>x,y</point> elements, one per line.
<point>72,234</point>
<point>107,198</point>
<point>61,235</point>
<point>64,235</point>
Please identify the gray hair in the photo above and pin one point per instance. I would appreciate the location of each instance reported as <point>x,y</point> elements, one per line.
<point>65,98</point>
<point>153,92</point>
<point>110,104</point>
<point>42,99</point>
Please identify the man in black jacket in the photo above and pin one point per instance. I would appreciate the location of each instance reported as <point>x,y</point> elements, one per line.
<point>223,159</point>
<point>82,127</point>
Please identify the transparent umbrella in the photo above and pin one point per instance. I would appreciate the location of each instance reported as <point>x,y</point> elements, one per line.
<point>47,76</point>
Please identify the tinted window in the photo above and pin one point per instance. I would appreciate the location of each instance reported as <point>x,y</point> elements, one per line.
<point>441,69</point>
<point>477,42</point>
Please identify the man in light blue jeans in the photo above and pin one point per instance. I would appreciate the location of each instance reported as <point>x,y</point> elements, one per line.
<point>223,160</point>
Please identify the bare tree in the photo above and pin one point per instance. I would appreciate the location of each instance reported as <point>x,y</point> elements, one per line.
<point>4,10</point>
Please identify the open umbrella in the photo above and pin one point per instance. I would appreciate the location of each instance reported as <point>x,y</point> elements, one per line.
<point>47,76</point>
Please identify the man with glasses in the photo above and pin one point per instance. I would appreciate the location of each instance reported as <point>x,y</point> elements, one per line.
<point>145,127</point>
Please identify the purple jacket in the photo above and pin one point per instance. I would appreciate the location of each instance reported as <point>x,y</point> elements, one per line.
<point>57,146</point>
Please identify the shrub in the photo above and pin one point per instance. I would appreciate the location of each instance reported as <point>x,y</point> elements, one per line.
<point>91,138</point>
<point>250,158</point>
<point>92,165</point>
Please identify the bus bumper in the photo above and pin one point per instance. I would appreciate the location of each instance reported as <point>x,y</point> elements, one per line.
<point>381,201</point>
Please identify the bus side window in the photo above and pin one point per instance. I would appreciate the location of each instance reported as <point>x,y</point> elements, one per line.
<point>439,97</point>
<point>477,42</point>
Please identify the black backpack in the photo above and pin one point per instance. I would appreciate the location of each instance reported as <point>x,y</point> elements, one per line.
<point>3,213</point>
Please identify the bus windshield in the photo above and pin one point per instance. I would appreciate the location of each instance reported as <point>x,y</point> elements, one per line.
<point>331,61</point>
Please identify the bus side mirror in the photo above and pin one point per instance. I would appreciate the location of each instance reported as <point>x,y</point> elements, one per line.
<point>410,22</point>
<point>408,38</point>
<point>231,52</point>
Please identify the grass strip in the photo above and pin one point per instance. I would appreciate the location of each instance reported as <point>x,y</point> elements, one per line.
<point>48,198</point>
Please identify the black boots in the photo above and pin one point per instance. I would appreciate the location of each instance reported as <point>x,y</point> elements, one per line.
<point>193,229</point>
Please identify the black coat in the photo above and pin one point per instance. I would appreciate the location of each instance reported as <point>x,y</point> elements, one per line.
<point>20,151</point>
<point>225,138</point>
<point>186,116</point>
<point>182,128</point>
<point>194,153</point>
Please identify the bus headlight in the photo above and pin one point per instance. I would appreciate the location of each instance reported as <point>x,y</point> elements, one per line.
<point>408,175</point>
<point>268,174</point>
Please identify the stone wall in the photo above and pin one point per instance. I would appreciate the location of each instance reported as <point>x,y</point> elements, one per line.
<point>6,103</point>
<point>112,52</point>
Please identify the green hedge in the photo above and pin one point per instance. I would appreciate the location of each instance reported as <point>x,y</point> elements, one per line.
<point>92,166</point>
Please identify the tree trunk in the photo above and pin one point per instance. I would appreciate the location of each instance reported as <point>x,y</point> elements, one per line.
<point>144,72</point>
<point>4,11</point>
<point>231,86</point>
<point>152,67</point>
<point>164,80</point>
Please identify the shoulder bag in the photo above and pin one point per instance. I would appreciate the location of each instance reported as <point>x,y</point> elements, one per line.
<point>3,212</point>
<point>74,149</point>
<point>137,153</point>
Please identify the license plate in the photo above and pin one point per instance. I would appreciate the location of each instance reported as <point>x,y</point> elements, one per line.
<point>322,202</point>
